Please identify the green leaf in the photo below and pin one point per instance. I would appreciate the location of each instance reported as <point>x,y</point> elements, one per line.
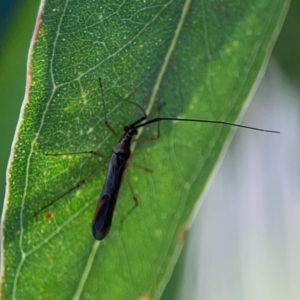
<point>199,58</point>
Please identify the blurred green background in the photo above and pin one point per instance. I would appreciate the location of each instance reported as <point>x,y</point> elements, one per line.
<point>17,20</point>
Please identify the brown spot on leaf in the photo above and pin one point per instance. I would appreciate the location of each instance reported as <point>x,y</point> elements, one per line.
<point>48,215</point>
<point>145,297</point>
<point>181,234</point>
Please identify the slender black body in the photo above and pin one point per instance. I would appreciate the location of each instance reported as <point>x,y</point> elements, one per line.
<point>117,164</point>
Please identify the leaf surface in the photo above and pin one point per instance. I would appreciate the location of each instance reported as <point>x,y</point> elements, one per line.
<point>200,59</point>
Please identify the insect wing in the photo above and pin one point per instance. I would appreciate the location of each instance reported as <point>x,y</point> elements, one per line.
<point>103,217</point>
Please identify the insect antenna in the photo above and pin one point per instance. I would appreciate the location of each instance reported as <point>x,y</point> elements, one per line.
<point>144,117</point>
<point>205,121</point>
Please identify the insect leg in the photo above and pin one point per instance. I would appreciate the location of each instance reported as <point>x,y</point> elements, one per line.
<point>111,129</point>
<point>141,167</point>
<point>153,138</point>
<point>136,203</point>
<point>104,108</point>
<point>78,185</point>
<point>158,131</point>
<point>75,153</point>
